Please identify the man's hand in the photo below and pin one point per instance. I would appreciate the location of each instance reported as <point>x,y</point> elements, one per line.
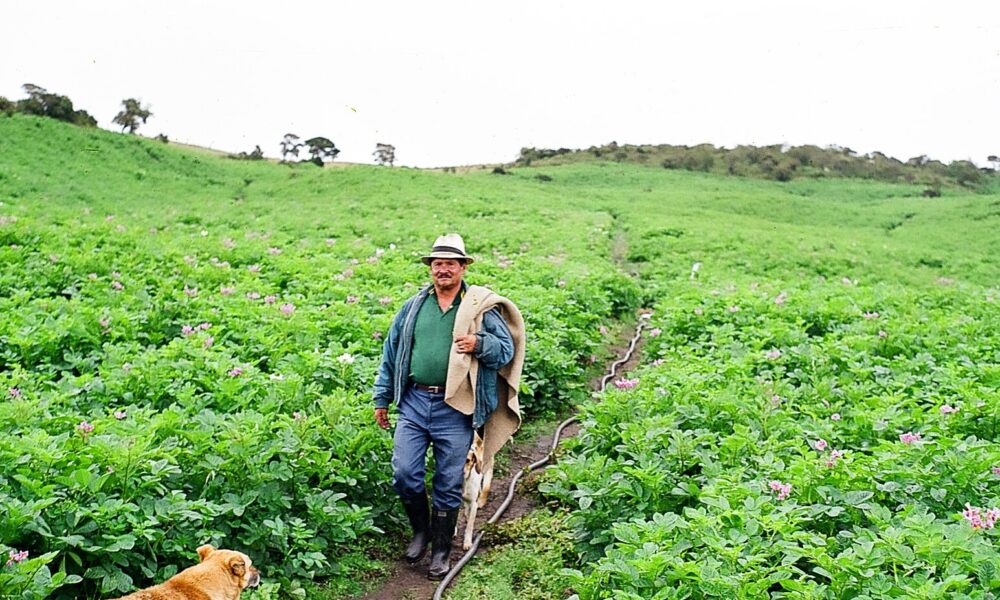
<point>382,417</point>
<point>466,344</point>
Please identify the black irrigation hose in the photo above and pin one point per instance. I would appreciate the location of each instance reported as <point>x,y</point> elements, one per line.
<point>438,594</point>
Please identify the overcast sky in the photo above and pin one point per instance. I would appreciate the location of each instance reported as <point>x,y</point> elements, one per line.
<point>465,82</point>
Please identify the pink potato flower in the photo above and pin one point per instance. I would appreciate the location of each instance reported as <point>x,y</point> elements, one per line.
<point>909,437</point>
<point>979,519</point>
<point>14,557</point>
<point>835,455</point>
<point>626,384</point>
<point>783,489</point>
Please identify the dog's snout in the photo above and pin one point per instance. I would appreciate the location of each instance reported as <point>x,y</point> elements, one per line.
<point>254,578</point>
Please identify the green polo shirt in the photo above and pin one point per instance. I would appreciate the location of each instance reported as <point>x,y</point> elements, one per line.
<point>433,341</point>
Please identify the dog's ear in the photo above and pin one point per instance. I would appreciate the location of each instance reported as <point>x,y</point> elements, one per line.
<point>204,551</point>
<point>237,567</point>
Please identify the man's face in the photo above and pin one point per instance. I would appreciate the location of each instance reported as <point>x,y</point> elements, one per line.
<point>447,272</point>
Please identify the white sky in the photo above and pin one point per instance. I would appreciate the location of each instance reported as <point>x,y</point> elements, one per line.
<point>464,82</point>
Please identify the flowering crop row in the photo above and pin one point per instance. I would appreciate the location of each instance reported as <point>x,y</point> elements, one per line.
<point>825,441</point>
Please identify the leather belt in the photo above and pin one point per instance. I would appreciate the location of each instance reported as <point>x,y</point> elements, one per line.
<point>434,389</point>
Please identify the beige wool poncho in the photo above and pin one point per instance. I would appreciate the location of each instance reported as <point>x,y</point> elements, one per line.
<point>463,369</point>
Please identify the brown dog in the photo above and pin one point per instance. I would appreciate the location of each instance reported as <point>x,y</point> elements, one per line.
<point>221,575</point>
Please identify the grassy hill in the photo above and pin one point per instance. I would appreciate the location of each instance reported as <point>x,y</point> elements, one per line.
<point>190,341</point>
<point>779,163</point>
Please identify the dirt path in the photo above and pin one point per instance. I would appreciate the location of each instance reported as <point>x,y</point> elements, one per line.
<point>409,582</point>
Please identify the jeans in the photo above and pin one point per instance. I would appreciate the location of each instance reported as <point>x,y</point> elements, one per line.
<point>425,419</point>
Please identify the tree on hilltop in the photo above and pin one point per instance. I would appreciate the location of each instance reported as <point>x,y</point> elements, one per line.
<point>385,154</point>
<point>42,103</point>
<point>290,145</point>
<point>130,116</point>
<point>321,148</point>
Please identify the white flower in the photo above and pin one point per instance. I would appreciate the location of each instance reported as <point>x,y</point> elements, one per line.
<point>345,358</point>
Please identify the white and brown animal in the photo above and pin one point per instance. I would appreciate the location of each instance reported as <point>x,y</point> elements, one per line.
<point>476,488</point>
<point>221,575</point>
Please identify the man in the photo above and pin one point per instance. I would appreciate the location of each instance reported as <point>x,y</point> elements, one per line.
<point>452,363</point>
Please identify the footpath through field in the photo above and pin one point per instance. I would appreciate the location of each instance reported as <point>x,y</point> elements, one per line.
<point>409,582</point>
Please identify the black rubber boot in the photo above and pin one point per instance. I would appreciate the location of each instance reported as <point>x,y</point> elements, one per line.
<point>417,511</point>
<point>442,532</point>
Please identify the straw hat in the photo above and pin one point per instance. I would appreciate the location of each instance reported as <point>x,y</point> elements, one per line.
<point>449,245</point>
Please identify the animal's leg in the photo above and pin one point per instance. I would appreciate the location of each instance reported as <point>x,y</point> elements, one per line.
<point>484,493</point>
<point>470,523</point>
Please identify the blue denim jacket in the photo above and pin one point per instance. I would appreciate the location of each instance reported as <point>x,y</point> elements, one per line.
<point>494,349</point>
